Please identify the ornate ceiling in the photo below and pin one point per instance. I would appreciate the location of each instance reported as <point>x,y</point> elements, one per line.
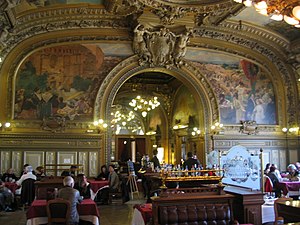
<point>191,13</point>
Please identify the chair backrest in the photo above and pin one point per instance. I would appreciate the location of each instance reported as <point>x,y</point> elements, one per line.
<point>28,191</point>
<point>58,211</point>
<point>277,216</point>
<point>268,185</point>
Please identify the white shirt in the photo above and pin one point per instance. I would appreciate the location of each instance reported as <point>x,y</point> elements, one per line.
<point>24,177</point>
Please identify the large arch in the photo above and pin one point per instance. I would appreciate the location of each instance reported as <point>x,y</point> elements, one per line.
<point>187,74</point>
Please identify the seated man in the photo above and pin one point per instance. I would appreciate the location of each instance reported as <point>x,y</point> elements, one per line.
<point>70,172</point>
<point>113,179</point>
<point>27,190</point>
<point>114,184</point>
<point>6,198</point>
<point>28,174</point>
<point>40,173</point>
<point>72,195</point>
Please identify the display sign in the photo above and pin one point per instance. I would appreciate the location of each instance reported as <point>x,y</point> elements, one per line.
<point>241,168</point>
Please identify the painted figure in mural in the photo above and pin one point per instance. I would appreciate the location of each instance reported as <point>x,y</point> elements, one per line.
<point>250,106</point>
<point>258,112</point>
<point>270,111</point>
<point>239,108</point>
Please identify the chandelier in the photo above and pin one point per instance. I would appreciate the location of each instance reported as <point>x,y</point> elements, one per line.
<point>287,10</point>
<point>124,119</point>
<point>119,117</point>
<point>144,104</point>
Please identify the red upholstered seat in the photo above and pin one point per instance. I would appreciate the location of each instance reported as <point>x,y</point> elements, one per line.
<point>268,184</point>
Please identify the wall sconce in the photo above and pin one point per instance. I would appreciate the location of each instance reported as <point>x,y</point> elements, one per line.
<point>294,130</point>
<point>196,131</point>
<point>217,128</point>
<point>5,127</point>
<point>98,125</point>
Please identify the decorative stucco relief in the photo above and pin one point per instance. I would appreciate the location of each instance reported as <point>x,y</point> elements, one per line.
<point>160,47</point>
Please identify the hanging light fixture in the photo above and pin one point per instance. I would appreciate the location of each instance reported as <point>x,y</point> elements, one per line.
<point>144,104</point>
<point>287,10</point>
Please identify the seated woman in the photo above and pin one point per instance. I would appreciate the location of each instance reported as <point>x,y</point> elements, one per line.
<point>103,175</point>
<point>293,174</point>
<point>83,186</point>
<point>9,176</point>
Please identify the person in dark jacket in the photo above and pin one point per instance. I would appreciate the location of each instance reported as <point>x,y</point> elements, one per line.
<point>103,175</point>
<point>9,176</point>
<point>155,160</point>
<point>190,162</point>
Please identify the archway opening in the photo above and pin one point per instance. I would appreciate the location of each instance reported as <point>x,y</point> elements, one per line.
<point>156,111</point>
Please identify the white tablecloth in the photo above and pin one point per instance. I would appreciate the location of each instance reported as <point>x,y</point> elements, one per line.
<point>268,214</point>
<point>137,218</point>
<point>44,220</point>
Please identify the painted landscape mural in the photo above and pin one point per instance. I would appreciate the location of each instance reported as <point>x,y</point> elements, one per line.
<point>61,81</point>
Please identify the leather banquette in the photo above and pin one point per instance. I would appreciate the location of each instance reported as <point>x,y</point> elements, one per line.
<point>193,210</point>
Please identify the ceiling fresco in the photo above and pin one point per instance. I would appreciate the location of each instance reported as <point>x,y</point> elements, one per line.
<point>280,27</point>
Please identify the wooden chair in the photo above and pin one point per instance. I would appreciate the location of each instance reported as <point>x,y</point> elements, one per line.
<point>58,211</point>
<point>27,192</point>
<point>278,218</point>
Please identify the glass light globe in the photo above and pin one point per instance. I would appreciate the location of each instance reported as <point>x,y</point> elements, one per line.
<point>261,5</point>
<point>7,124</point>
<point>262,11</point>
<point>144,113</point>
<point>296,12</point>
<point>284,129</point>
<point>248,3</point>
<point>290,20</point>
<point>277,17</point>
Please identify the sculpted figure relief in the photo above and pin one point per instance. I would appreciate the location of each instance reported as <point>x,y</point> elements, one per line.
<point>160,47</point>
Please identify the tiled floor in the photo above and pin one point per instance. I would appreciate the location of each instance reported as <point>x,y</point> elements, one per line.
<point>114,214</point>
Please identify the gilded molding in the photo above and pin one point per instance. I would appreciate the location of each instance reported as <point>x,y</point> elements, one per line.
<point>198,6</point>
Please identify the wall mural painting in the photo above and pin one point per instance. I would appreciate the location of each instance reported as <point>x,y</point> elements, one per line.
<point>244,91</point>
<point>61,81</point>
<point>185,112</point>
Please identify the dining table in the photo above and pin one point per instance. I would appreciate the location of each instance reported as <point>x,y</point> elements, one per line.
<point>37,212</point>
<point>289,186</point>
<point>11,186</point>
<point>96,186</point>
